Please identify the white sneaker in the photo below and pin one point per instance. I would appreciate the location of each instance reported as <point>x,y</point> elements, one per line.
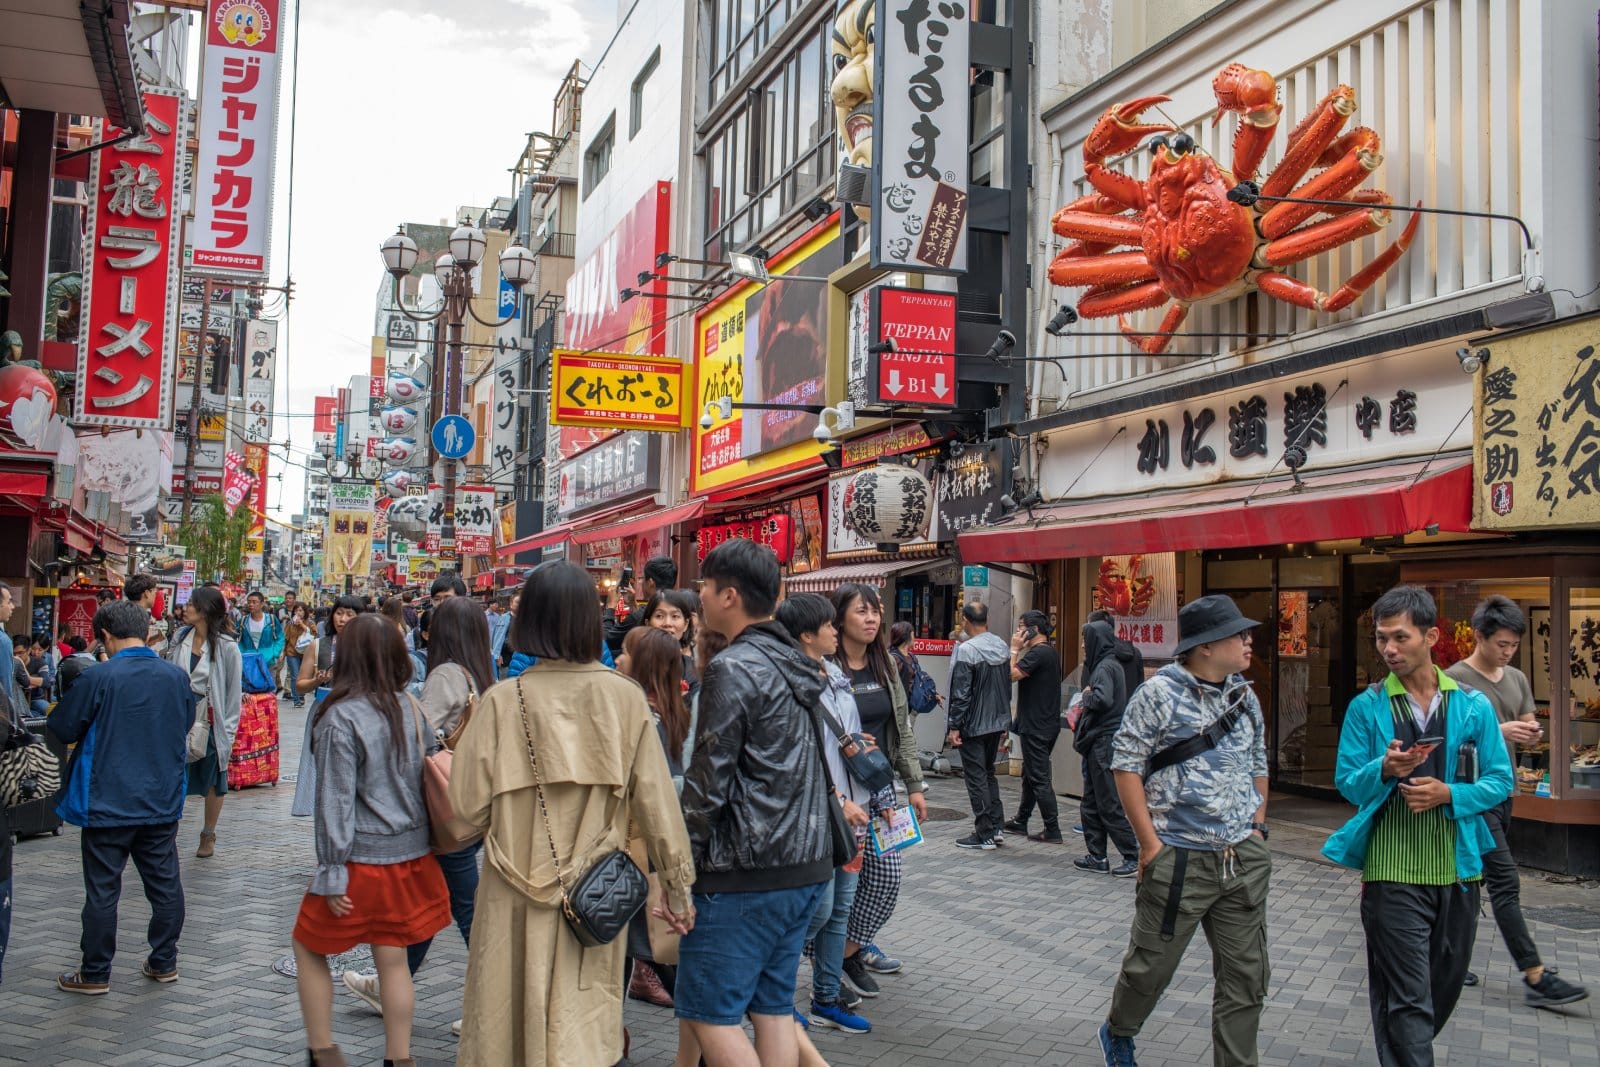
<point>455,1028</point>
<point>365,986</point>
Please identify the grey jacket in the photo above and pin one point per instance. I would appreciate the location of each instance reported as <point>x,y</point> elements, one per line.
<point>224,688</point>
<point>980,686</point>
<point>369,804</point>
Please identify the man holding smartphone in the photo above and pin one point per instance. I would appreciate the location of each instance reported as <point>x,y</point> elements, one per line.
<point>1422,758</point>
<point>1498,626</point>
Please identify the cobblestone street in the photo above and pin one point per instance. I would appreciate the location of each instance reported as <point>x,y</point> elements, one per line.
<point>1009,955</point>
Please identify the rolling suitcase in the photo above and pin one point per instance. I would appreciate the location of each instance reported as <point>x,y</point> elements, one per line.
<point>255,746</point>
<point>35,817</point>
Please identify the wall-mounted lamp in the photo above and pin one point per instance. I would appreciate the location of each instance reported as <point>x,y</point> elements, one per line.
<point>1004,342</point>
<point>1061,320</point>
<point>816,209</point>
<point>1471,359</point>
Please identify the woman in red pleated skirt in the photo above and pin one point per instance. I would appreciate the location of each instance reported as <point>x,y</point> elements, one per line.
<point>377,882</point>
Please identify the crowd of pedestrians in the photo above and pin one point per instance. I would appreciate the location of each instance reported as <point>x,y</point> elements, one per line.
<point>731,748</point>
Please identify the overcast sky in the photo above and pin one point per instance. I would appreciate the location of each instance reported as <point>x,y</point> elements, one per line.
<point>407,109</point>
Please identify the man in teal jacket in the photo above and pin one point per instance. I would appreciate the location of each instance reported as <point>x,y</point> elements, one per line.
<point>1421,757</point>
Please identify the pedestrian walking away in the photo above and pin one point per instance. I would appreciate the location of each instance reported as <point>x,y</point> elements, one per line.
<point>206,650</point>
<point>1423,759</point>
<point>980,715</point>
<point>1036,668</point>
<point>375,882</point>
<point>129,718</point>
<point>1190,762</point>
<point>1105,700</point>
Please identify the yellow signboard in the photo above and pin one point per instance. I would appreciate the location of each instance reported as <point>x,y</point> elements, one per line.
<point>422,569</point>
<point>613,391</point>
<point>1536,451</point>
<point>768,345</point>
<point>213,426</point>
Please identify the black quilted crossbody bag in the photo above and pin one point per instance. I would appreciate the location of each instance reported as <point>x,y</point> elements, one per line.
<point>606,897</point>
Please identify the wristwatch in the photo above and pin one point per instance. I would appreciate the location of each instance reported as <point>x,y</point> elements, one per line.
<point>1260,828</point>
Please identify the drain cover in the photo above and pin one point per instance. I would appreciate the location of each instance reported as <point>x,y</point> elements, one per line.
<point>1572,918</point>
<point>944,814</point>
<point>357,959</point>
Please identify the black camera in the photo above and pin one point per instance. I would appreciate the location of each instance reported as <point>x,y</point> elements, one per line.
<point>1467,763</point>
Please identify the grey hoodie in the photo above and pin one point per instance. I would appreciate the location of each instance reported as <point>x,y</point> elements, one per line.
<point>980,686</point>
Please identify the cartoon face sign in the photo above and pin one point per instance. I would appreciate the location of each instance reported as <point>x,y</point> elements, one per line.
<point>851,63</point>
<point>244,23</point>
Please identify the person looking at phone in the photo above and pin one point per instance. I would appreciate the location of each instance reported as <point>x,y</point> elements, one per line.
<point>659,573</point>
<point>1036,668</point>
<point>1422,759</point>
<point>1498,626</point>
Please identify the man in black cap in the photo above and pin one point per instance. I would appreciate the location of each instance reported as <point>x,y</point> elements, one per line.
<point>1036,668</point>
<point>1191,769</point>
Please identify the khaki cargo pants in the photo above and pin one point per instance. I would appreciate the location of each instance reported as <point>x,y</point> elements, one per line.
<point>1226,894</point>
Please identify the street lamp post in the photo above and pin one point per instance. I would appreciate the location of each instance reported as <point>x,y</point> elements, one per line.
<point>454,274</point>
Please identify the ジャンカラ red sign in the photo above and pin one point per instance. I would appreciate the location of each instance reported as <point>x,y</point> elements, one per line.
<point>922,369</point>
<point>127,350</point>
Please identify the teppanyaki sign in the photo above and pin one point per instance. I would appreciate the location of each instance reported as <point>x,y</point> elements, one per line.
<point>921,369</point>
<point>617,392</point>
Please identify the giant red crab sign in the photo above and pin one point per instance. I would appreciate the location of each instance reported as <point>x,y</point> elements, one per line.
<point>1191,243</point>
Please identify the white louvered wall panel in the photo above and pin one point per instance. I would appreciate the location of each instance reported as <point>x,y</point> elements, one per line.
<point>1440,82</point>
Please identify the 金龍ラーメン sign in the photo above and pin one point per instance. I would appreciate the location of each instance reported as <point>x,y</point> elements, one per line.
<point>127,349</point>
<point>612,391</point>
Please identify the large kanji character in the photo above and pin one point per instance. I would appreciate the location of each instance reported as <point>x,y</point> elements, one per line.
<point>1247,428</point>
<point>1583,387</point>
<point>1194,431</point>
<point>1154,447</point>
<point>134,191</point>
<point>1305,416</point>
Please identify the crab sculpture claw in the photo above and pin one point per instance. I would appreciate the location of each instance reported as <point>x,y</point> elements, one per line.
<point>1119,128</point>
<point>1248,92</point>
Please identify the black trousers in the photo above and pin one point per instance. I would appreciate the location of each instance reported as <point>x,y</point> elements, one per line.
<point>1419,946</point>
<point>1504,884</point>
<point>1037,786</point>
<point>983,788</point>
<point>1101,810</point>
<point>106,851</point>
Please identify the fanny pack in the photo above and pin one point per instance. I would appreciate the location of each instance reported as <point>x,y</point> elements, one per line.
<point>868,765</point>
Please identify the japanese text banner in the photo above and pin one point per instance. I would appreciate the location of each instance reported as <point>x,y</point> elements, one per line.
<point>612,391</point>
<point>238,137</point>
<point>127,350</point>
<point>475,519</point>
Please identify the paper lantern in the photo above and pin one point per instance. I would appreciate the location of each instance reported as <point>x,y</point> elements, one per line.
<point>403,388</point>
<point>397,451</point>
<point>27,400</point>
<point>888,505</point>
<point>398,419</point>
<point>397,482</point>
<point>408,516</point>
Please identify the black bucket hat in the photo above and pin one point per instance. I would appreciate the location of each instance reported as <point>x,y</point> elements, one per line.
<point>1210,618</point>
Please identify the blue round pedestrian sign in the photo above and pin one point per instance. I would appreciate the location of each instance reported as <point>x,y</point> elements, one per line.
<point>453,437</point>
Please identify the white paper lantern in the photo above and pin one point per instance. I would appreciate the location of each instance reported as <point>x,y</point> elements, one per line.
<point>397,482</point>
<point>397,451</point>
<point>398,419</point>
<point>888,505</point>
<point>403,387</point>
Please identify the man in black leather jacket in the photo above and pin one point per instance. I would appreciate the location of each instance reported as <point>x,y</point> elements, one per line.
<point>754,802</point>
<point>980,715</point>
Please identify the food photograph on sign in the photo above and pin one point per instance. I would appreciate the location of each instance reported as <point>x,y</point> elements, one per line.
<point>785,350</point>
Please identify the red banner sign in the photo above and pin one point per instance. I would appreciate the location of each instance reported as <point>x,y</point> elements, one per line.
<point>774,531</point>
<point>235,481</point>
<point>922,369</point>
<point>325,414</point>
<point>127,350</point>
<point>932,646</point>
<point>255,463</point>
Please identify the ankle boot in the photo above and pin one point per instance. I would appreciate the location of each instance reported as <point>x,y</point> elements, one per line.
<point>325,1057</point>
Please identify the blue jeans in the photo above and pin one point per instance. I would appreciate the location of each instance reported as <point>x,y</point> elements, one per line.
<point>291,671</point>
<point>461,878</point>
<point>742,954</point>
<point>5,922</point>
<point>827,934</point>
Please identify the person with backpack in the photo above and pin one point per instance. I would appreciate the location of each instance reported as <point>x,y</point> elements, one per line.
<point>1105,698</point>
<point>205,649</point>
<point>1036,668</point>
<point>922,692</point>
<point>78,659</point>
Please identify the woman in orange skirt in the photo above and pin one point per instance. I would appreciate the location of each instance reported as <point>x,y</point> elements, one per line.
<point>376,882</point>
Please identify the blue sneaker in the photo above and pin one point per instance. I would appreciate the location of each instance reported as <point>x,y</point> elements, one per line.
<point>873,959</point>
<point>1118,1050</point>
<point>837,1018</point>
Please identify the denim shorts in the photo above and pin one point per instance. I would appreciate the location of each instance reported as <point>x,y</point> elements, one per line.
<point>742,954</point>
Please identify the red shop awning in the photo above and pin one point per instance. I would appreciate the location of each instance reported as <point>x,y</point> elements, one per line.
<point>24,483</point>
<point>571,528</point>
<point>650,520</point>
<point>1332,505</point>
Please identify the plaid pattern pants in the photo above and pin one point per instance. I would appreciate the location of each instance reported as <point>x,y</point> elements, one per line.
<point>878,891</point>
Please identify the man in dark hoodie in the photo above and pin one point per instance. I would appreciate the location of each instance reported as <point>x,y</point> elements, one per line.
<point>755,805</point>
<point>1105,697</point>
<point>980,715</point>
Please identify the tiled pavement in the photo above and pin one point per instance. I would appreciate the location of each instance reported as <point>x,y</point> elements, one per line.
<point>1009,960</point>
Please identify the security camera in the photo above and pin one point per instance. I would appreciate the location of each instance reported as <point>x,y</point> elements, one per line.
<point>956,448</point>
<point>822,433</point>
<point>705,421</point>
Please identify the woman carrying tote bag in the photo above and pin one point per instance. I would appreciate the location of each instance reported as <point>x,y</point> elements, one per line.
<point>206,650</point>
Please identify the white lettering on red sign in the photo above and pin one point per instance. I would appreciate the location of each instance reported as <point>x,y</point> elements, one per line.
<point>922,368</point>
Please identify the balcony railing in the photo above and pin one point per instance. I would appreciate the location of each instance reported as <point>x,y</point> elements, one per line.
<point>556,244</point>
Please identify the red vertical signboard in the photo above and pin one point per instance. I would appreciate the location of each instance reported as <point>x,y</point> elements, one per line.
<point>127,350</point>
<point>922,368</point>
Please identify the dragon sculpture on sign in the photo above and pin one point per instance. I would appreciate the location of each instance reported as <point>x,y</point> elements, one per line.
<point>1191,243</point>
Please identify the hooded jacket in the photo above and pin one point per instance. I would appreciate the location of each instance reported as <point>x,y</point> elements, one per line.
<point>980,686</point>
<point>754,796</point>
<point>1105,690</point>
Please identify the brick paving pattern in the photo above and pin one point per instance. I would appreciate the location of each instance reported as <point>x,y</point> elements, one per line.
<point>1009,955</point>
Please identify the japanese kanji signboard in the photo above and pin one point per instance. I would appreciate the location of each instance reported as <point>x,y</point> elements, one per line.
<point>475,519</point>
<point>1536,452</point>
<point>617,392</point>
<point>127,351</point>
<point>922,368</point>
<point>238,137</point>
<point>255,461</point>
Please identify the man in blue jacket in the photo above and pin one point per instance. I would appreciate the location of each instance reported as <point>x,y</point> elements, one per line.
<point>1421,757</point>
<point>130,718</point>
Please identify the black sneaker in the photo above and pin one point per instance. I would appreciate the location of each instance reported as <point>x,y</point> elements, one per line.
<point>1551,991</point>
<point>859,977</point>
<point>1471,979</point>
<point>1016,826</point>
<point>1125,869</point>
<point>974,841</point>
<point>848,998</point>
<point>1098,864</point>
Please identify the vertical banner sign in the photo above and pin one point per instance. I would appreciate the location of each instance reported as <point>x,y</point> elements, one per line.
<point>375,379</point>
<point>127,350</point>
<point>350,519</point>
<point>235,482</point>
<point>922,368</point>
<point>920,129</point>
<point>435,532</point>
<point>238,137</point>
<point>475,520</point>
<point>1141,592</point>
<point>255,464</point>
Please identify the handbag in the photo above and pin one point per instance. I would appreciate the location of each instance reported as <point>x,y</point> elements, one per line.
<point>27,772</point>
<point>200,732</point>
<point>841,835</point>
<point>446,832</point>
<point>606,897</point>
<point>663,938</point>
<point>868,765</point>
<point>254,674</point>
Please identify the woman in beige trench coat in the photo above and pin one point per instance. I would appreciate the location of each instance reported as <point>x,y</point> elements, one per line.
<point>534,995</point>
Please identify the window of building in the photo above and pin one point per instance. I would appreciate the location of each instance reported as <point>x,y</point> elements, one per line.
<point>740,31</point>
<point>636,97</point>
<point>597,158</point>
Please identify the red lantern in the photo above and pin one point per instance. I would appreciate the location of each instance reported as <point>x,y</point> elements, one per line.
<point>27,400</point>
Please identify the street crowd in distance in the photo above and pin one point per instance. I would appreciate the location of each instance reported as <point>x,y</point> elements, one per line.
<point>677,799</point>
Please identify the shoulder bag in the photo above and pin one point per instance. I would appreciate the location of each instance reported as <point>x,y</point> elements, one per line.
<point>1204,741</point>
<point>867,765</point>
<point>606,897</point>
<point>28,770</point>
<point>446,833</point>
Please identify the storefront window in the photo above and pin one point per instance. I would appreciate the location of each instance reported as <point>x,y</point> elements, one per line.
<point>1583,702</point>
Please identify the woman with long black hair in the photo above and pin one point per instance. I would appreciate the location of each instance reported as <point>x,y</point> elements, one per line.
<point>864,658</point>
<point>205,649</point>
<point>376,883</point>
<point>316,673</point>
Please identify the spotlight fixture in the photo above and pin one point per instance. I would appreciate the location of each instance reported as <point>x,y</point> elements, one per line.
<point>816,209</point>
<point>885,345</point>
<point>1246,193</point>
<point>1031,499</point>
<point>663,258</point>
<point>1471,360</point>
<point>1004,342</point>
<point>748,265</point>
<point>956,449</point>
<point>645,278</point>
<point>626,295</point>
<point>1063,318</point>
